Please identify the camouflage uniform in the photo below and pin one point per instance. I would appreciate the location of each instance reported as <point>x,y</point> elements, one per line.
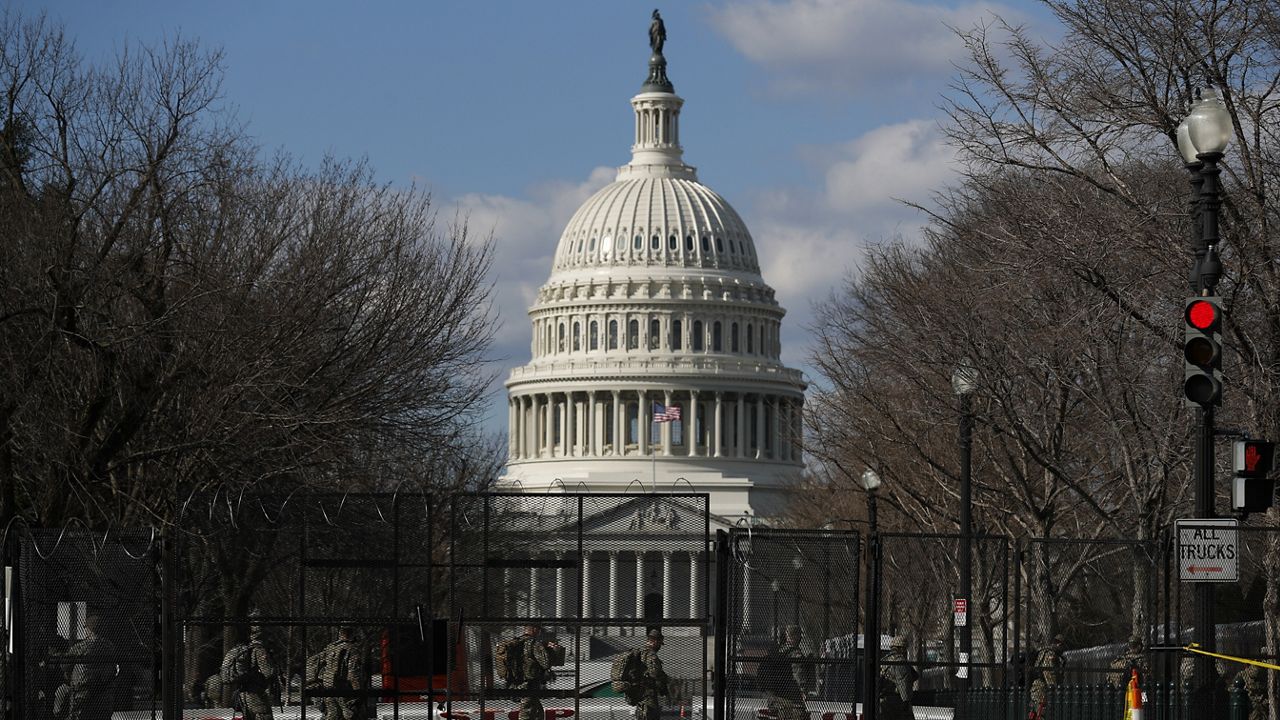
<point>1049,662</point>
<point>537,672</point>
<point>342,670</point>
<point>1131,659</point>
<point>1255,687</point>
<point>897,683</point>
<point>92,678</point>
<point>255,692</point>
<point>803,673</point>
<point>776,677</point>
<point>654,685</point>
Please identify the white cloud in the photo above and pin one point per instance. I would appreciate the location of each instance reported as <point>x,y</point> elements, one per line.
<point>846,46</point>
<point>903,161</point>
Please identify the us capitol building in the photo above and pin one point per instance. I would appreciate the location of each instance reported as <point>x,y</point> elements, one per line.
<point>655,304</point>
<point>656,297</point>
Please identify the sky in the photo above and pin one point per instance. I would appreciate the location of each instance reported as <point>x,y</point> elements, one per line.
<point>815,119</point>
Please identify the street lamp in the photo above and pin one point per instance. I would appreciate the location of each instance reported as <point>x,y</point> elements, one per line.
<point>964,381</point>
<point>1202,137</point>
<point>796,563</point>
<point>775,586</point>
<point>871,632</point>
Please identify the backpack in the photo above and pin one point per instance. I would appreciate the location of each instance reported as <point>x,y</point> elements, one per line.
<point>334,673</point>
<point>626,674</point>
<point>508,660</point>
<point>237,666</point>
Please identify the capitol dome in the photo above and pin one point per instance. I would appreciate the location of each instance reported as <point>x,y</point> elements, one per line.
<point>656,354</point>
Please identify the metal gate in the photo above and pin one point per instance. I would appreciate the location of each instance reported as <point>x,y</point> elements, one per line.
<point>86,608</point>
<point>790,599</point>
<point>594,572</point>
<point>298,572</point>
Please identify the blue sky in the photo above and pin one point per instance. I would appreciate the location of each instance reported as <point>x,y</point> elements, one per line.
<point>812,117</point>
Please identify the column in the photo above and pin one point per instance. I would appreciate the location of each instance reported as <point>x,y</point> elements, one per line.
<point>742,426</point>
<point>571,418</point>
<point>584,567</point>
<point>773,412</point>
<point>592,426</point>
<point>565,427</point>
<point>797,447</point>
<point>526,433</point>
<point>695,582</point>
<point>666,427</point>
<point>511,428</point>
<point>719,425</point>
<point>639,585</point>
<point>617,423</point>
<point>759,426</point>
<point>691,435</point>
<point>548,417</point>
<point>666,584</point>
<point>560,585</point>
<point>642,421</point>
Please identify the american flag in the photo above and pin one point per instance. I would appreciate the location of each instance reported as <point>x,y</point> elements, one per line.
<point>665,414</point>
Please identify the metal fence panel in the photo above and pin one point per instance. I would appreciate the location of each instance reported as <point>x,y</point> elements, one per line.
<point>88,610</point>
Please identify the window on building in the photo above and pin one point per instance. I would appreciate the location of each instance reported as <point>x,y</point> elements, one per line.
<point>762,350</point>
<point>733,337</point>
<point>688,243</point>
<point>633,423</point>
<point>672,243</point>
<point>706,245</point>
<point>560,339</point>
<point>638,245</point>
<point>613,334</point>
<point>716,344</point>
<point>592,246</point>
<point>677,427</point>
<point>720,245</point>
<point>677,342</point>
<point>655,243</point>
<point>577,336</point>
<point>655,334</point>
<point>593,336</point>
<point>555,424</point>
<point>698,340</point>
<point>751,345</point>
<point>633,334</point>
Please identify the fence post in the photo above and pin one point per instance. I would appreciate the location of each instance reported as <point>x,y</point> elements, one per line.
<point>721,624</point>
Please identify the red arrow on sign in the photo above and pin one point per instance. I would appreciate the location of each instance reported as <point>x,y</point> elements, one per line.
<point>1202,568</point>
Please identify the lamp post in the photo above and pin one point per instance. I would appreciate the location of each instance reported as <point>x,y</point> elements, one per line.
<point>964,381</point>
<point>871,631</point>
<point>1202,137</point>
<point>775,586</point>
<point>796,563</point>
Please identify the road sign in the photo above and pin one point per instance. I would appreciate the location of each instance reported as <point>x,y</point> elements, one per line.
<point>1208,550</point>
<point>961,612</point>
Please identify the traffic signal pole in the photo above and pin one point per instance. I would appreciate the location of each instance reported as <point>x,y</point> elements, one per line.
<point>1206,672</point>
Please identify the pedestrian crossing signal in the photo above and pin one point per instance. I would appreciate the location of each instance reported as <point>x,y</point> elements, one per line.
<point>1252,488</point>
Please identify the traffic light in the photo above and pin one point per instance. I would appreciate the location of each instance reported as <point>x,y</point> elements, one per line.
<point>1203,352</point>
<point>1252,490</point>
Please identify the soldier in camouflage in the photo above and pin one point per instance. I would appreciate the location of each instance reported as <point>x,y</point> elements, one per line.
<point>775,676</point>
<point>802,672</point>
<point>537,673</point>
<point>654,683</point>
<point>1133,658</point>
<point>255,693</point>
<point>897,682</point>
<point>1049,664</point>
<point>93,675</point>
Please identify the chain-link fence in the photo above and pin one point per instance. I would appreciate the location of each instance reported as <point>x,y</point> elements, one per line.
<point>593,576</point>
<point>792,602</point>
<point>87,609</point>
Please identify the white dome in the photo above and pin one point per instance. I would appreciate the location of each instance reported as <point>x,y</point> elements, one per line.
<point>656,220</point>
<point>656,343</point>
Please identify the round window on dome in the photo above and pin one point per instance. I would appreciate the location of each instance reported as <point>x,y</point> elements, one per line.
<point>671,243</point>
<point>605,245</point>
<point>621,244</point>
<point>592,247</point>
<point>655,243</point>
<point>720,245</point>
<point>638,244</point>
<point>688,243</point>
<point>706,244</point>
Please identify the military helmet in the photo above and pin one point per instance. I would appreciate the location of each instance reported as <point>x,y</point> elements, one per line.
<point>655,633</point>
<point>898,642</point>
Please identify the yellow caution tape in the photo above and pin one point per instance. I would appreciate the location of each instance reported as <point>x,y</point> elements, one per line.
<point>1195,648</point>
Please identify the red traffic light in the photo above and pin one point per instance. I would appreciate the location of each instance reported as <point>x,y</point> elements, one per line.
<point>1202,315</point>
